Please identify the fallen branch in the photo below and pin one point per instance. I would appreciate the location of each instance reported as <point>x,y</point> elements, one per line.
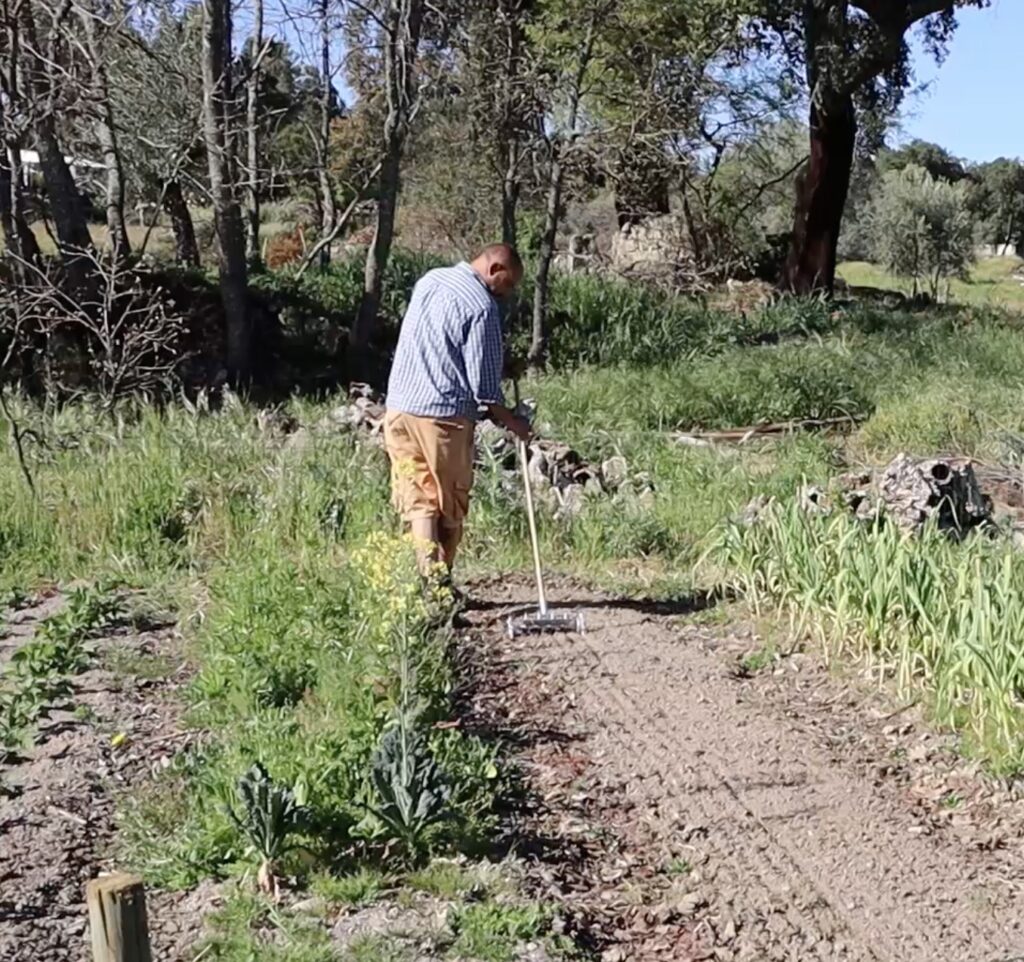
<point>745,434</point>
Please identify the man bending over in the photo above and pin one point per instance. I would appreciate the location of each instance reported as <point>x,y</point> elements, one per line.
<point>447,371</point>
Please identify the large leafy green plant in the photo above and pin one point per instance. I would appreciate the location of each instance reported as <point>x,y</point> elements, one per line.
<point>270,814</point>
<point>411,792</point>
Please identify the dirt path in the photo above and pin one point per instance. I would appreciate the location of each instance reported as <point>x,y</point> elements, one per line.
<point>57,800</point>
<point>713,815</point>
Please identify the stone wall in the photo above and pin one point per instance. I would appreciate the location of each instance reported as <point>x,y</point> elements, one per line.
<point>656,246</point>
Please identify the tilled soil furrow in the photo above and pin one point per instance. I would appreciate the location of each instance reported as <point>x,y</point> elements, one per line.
<point>782,913</point>
<point>797,855</point>
<point>57,807</point>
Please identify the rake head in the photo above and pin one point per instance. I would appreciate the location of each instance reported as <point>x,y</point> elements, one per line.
<point>543,622</point>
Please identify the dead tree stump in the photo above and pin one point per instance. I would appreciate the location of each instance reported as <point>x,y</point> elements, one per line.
<point>913,492</point>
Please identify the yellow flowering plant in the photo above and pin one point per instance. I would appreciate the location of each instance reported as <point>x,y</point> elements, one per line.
<point>391,593</point>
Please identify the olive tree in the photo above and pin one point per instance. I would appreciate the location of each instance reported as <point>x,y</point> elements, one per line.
<point>922,228</point>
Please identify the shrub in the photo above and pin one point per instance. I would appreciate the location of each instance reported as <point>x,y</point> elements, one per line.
<point>922,228</point>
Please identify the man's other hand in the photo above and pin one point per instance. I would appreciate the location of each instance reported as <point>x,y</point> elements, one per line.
<point>521,428</point>
<point>510,421</point>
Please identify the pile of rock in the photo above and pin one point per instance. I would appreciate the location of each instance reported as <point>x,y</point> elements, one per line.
<point>914,492</point>
<point>560,477</point>
<point>364,412</point>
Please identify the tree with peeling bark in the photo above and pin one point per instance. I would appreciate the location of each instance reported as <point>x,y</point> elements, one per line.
<point>849,51</point>
<point>98,23</point>
<point>258,48</point>
<point>39,56</point>
<point>217,106</point>
<point>395,28</point>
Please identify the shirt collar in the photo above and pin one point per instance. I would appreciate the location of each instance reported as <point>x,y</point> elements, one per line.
<point>466,266</point>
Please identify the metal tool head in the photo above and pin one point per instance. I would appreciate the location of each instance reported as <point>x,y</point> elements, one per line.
<point>546,623</point>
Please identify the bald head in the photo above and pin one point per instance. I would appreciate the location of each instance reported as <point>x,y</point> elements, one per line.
<point>501,268</point>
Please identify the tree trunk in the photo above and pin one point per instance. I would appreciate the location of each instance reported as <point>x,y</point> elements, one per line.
<point>252,129</point>
<point>11,239</point>
<point>509,134</point>
<point>186,249</point>
<point>380,250</point>
<point>552,218</point>
<point>21,242</point>
<point>61,191</point>
<point>553,214</point>
<point>227,214</point>
<point>328,207</point>
<point>402,27</point>
<point>510,194</point>
<point>106,137</point>
<point>65,204</point>
<point>821,199</point>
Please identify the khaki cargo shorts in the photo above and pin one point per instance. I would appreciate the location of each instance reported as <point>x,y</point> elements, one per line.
<point>431,466</point>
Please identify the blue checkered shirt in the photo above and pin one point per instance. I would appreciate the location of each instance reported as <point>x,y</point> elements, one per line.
<point>449,357</point>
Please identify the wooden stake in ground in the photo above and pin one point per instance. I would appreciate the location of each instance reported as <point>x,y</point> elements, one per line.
<point>117,919</point>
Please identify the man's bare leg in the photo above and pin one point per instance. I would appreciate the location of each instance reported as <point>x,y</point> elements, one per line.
<point>450,537</point>
<point>428,543</point>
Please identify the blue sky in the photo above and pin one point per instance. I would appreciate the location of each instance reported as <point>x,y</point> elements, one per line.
<point>973,106</point>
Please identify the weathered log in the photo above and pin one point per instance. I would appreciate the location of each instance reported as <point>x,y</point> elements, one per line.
<point>913,492</point>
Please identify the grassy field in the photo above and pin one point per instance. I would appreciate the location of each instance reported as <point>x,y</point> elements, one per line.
<point>159,240</point>
<point>310,639</point>
<point>995,282</point>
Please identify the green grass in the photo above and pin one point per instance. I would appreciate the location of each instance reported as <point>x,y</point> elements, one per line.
<point>249,928</point>
<point>992,282</point>
<point>679,867</point>
<point>758,660</point>
<point>362,887</point>
<point>493,932</point>
<point>445,880</point>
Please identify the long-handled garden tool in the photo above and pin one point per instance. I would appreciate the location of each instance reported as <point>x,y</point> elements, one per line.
<point>543,620</point>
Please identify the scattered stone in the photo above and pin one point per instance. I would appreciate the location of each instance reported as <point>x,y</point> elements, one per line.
<point>814,500</point>
<point>310,906</point>
<point>690,904</point>
<point>562,479</point>
<point>755,510</point>
<point>916,491</point>
<point>615,472</point>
